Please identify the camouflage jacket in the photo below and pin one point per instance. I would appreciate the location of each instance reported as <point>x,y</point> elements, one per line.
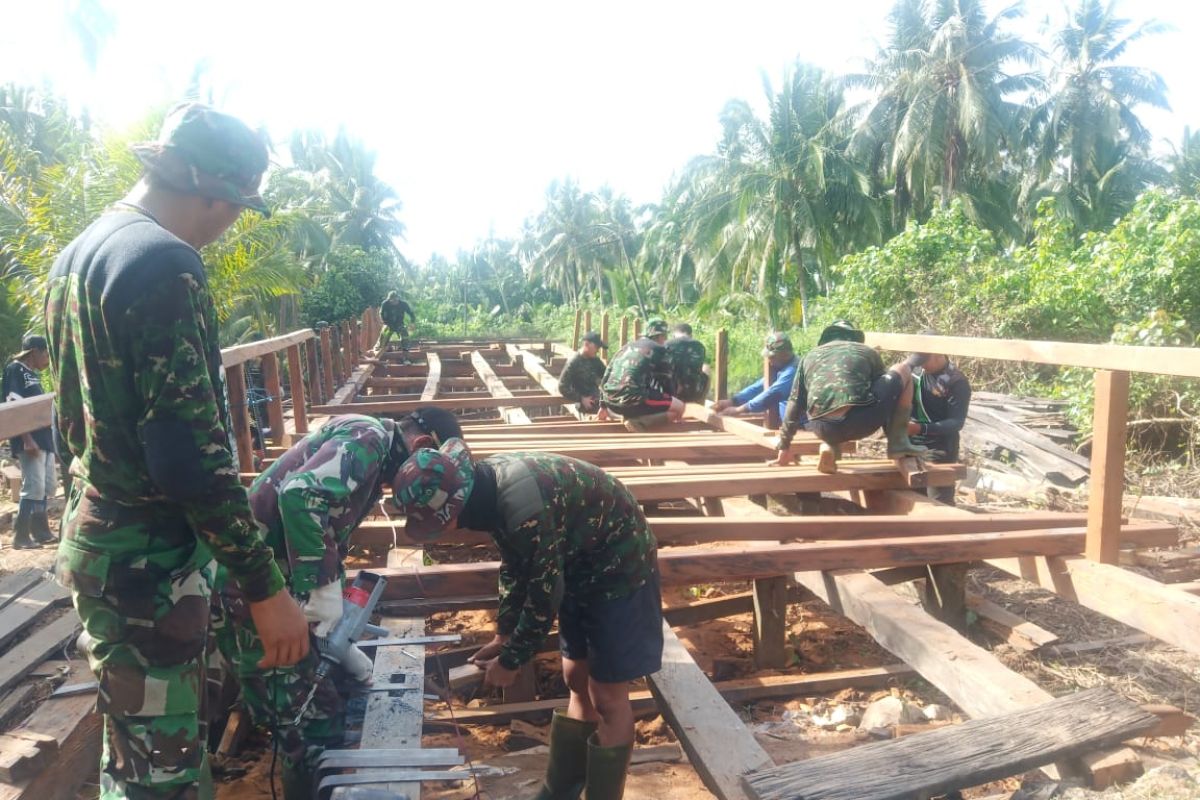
<point>639,371</point>
<point>581,377</point>
<point>563,527</point>
<point>687,357</point>
<point>831,376</point>
<point>393,313</point>
<point>141,405</point>
<point>311,499</point>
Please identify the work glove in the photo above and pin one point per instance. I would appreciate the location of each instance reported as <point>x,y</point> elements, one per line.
<point>357,664</point>
<point>324,607</point>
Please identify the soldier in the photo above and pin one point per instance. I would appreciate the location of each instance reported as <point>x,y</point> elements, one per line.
<point>847,395</point>
<point>156,496</point>
<point>637,382</point>
<point>393,312</point>
<point>307,504</point>
<point>580,378</point>
<point>756,398</point>
<point>573,542</point>
<point>689,373</point>
<point>941,400</point>
<point>34,450</point>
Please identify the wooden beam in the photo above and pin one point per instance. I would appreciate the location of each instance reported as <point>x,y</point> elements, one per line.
<point>604,331</point>
<point>576,333</point>
<point>718,744</point>
<point>721,366</point>
<point>235,381</point>
<point>25,415</point>
<point>624,330</point>
<point>803,444</point>
<point>1181,361</point>
<point>316,387</point>
<point>433,379</point>
<point>17,661</point>
<point>770,622</point>
<point>242,353</point>
<point>405,406</point>
<point>270,367</point>
<point>1108,466</point>
<point>1002,623</point>
<point>327,364</point>
<point>497,389</point>
<point>296,387</point>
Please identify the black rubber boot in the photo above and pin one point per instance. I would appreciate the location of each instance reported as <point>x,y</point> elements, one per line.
<point>566,769</point>
<point>39,526</point>
<point>297,780</point>
<point>606,769</point>
<point>648,422</point>
<point>23,526</point>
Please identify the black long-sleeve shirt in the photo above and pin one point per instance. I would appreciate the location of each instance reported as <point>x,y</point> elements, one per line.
<point>940,404</point>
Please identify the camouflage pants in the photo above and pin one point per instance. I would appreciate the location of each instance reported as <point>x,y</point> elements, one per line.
<point>385,336</point>
<point>274,697</point>
<point>140,582</point>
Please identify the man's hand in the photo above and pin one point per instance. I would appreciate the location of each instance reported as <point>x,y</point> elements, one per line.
<point>496,674</point>
<point>602,415</point>
<point>783,458</point>
<point>489,650</point>
<point>914,428</point>
<point>588,403</point>
<point>282,629</point>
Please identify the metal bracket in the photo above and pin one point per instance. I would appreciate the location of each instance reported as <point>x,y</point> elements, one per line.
<point>445,638</point>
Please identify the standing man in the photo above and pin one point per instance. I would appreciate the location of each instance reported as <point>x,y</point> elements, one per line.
<point>393,312</point>
<point>638,381</point>
<point>573,543</point>
<point>307,504</point>
<point>755,399</point>
<point>156,496</point>
<point>580,379</point>
<point>941,399</point>
<point>848,395</point>
<point>34,450</point>
<point>689,372</point>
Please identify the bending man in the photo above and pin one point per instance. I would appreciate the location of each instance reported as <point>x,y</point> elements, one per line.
<point>637,383</point>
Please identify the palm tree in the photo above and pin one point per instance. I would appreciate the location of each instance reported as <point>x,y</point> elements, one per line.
<point>1185,164</point>
<point>561,251</point>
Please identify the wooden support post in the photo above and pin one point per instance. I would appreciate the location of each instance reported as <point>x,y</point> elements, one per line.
<point>235,380</point>
<point>637,328</point>
<point>1108,466</point>
<point>624,329</point>
<point>349,356</point>
<point>316,388</point>
<point>604,331</point>
<point>770,622</point>
<point>587,322</point>
<point>945,594</point>
<point>327,362</point>
<point>430,392</point>
<point>525,687</point>
<point>721,366</point>
<point>270,367</point>
<point>578,322</point>
<point>296,386</point>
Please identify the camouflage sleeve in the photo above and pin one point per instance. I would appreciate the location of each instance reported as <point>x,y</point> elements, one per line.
<point>543,586</point>
<point>512,595</point>
<point>568,381</point>
<point>877,367</point>
<point>304,504</point>
<point>184,440</point>
<point>797,407</point>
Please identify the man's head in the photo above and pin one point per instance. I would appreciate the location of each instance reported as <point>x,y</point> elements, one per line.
<point>842,330</point>
<point>591,344</point>
<point>934,362</point>
<point>35,353</point>
<point>681,330</point>
<point>428,428</point>
<point>778,348</point>
<point>392,297</point>
<point>432,488</point>
<point>656,329</point>
<point>202,153</point>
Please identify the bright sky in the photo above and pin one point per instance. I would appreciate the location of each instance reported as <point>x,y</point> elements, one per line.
<point>475,107</point>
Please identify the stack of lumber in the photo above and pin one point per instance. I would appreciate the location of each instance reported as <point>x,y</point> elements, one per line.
<point>1026,437</point>
<point>31,607</point>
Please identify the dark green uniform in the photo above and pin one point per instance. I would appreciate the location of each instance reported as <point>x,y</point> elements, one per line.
<point>581,377</point>
<point>687,357</point>
<point>142,411</point>
<point>638,380</point>
<point>393,312</point>
<point>566,530</point>
<point>833,376</point>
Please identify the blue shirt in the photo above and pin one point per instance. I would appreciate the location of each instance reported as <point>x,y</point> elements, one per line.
<point>756,399</point>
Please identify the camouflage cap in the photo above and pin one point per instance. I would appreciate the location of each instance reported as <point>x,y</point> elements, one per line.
<point>777,342</point>
<point>594,338</point>
<point>204,152</point>
<point>428,427</point>
<point>656,326</point>
<point>842,329</point>
<point>432,487</point>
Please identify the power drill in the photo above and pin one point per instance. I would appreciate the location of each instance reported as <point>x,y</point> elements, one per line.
<point>358,603</point>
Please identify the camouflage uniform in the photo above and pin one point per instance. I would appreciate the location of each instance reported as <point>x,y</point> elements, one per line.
<point>581,377</point>
<point>156,495</point>
<point>687,357</point>
<point>832,376</point>
<point>638,375</point>
<point>566,529</point>
<point>307,504</point>
<point>392,311</point>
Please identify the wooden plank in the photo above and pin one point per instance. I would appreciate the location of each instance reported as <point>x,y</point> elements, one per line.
<point>394,407</point>
<point>270,368</point>
<point>575,331</point>
<point>719,745</point>
<point>29,607</point>
<point>19,661</point>
<point>721,365</point>
<point>327,367</point>
<point>960,756</point>
<point>316,386</point>
<point>235,380</point>
<point>232,356</point>
<point>296,387</point>
<point>1181,361</point>
<point>17,583</point>
<point>430,392</point>
<point>26,415</point>
<point>1108,466</point>
<point>496,388</point>
<point>1017,631</point>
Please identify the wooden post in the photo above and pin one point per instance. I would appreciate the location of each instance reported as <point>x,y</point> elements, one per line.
<point>525,688</point>
<point>577,334</point>
<point>1108,466</point>
<point>604,331</point>
<point>313,373</point>
<point>270,366</point>
<point>296,386</point>
<point>235,381</point>
<point>945,595</point>
<point>770,622</point>
<point>624,330</point>
<point>637,328</point>
<point>349,360</point>
<point>721,365</point>
<point>327,362</point>
<point>364,332</point>
<point>587,321</point>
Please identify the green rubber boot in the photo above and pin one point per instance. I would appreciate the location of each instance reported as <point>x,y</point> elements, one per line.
<point>898,443</point>
<point>566,769</point>
<point>297,780</point>
<point>606,769</point>
<point>643,424</point>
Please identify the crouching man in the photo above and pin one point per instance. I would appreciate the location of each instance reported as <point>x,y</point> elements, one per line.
<point>573,544</point>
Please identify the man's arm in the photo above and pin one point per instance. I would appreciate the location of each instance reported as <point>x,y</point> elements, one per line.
<point>797,407</point>
<point>748,394</point>
<point>566,381</point>
<point>543,585</point>
<point>959,404</point>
